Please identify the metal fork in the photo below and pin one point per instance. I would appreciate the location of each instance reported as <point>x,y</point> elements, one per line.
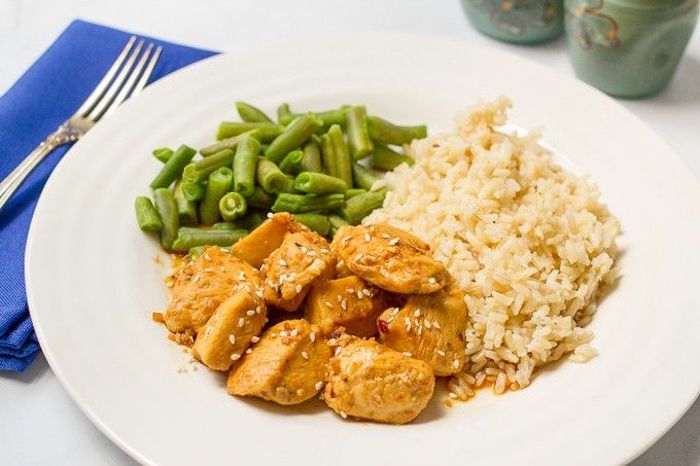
<point>125,78</point>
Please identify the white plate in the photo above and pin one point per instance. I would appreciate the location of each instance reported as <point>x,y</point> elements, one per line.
<point>92,280</point>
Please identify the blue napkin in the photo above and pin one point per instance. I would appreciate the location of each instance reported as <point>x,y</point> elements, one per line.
<point>48,93</point>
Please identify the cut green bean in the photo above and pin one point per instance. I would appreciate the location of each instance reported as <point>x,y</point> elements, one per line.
<point>201,169</point>
<point>267,131</point>
<point>301,203</point>
<point>327,154</point>
<point>385,132</point>
<point>186,209</point>
<point>188,238</point>
<point>289,188</point>
<point>167,210</point>
<point>244,164</point>
<point>359,143</point>
<point>226,226</point>
<point>311,161</point>
<point>163,154</point>
<point>173,167</point>
<point>192,190</point>
<point>251,114</point>
<point>327,117</point>
<point>218,185</point>
<point>317,222</point>
<point>364,177</point>
<point>260,199</point>
<point>228,143</point>
<point>232,206</point>
<point>350,193</point>
<point>361,206</point>
<point>270,177</point>
<point>282,113</point>
<point>341,156</point>
<point>385,158</point>
<point>252,220</point>
<point>291,163</point>
<point>318,183</point>
<point>292,137</point>
<point>336,223</point>
<point>147,215</point>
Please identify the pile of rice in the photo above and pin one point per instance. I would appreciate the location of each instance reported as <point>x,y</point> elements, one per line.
<point>529,242</point>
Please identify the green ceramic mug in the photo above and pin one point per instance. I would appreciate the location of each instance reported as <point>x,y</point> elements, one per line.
<point>628,48</point>
<point>519,21</point>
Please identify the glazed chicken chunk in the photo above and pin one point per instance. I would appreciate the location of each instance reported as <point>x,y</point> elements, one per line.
<point>302,257</point>
<point>368,380</point>
<point>229,331</point>
<point>200,286</point>
<point>389,258</point>
<point>260,243</point>
<point>430,327</point>
<point>287,366</point>
<point>346,302</point>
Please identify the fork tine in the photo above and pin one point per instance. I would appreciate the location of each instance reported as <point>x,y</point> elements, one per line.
<point>147,73</point>
<point>102,85</point>
<point>131,80</point>
<point>113,88</point>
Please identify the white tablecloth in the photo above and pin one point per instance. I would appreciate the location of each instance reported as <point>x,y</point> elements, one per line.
<point>39,424</point>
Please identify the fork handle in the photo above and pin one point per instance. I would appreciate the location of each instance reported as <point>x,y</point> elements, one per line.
<point>14,180</point>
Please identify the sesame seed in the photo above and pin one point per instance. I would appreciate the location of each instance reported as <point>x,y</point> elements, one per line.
<point>329,304</point>
<point>432,280</point>
<point>294,332</point>
<point>300,391</point>
<point>366,292</point>
<point>170,284</point>
<point>318,385</point>
<point>344,304</point>
<point>337,351</point>
<point>436,324</point>
<point>269,215</point>
<point>235,356</point>
<point>241,322</point>
<point>455,363</point>
<point>367,237</point>
<point>343,414</point>
<point>305,355</point>
<point>426,323</point>
<point>394,241</point>
<point>350,290</point>
<point>338,297</point>
<point>452,395</point>
<point>312,253</point>
<point>406,353</point>
<point>440,352</point>
<point>360,295</point>
<point>386,235</point>
<point>207,256</point>
<point>297,289</point>
<point>241,276</point>
<point>324,251</point>
<point>259,293</point>
<point>408,323</point>
<point>248,351</point>
<point>232,339</point>
<point>208,269</point>
<point>196,278</point>
<point>395,311</point>
<point>283,333</point>
<point>283,263</point>
<point>273,334</point>
<point>416,313</point>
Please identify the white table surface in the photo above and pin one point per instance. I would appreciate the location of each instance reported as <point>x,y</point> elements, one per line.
<point>39,424</point>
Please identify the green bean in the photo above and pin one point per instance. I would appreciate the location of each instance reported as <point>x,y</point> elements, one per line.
<point>350,193</point>
<point>228,143</point>
<point>385,132</point>
<point>292,137</point>
<point>201,169</point>
<point>229,129</point>
<point>328,155</point>
<point>291,163</point>
<point>318,183</point>
<point>192,190</point>
<point>232,206</point>
<point>226,226</point>
<point>251,114</point>
<point>364,177</point>
<point>336,223</point>
<point>301,203</point>
<point>252,220</point>
<point>311,161</point>
<point>147,215</point>
<point>189,237</point>
<point>270,177</point>
<point>167,209</point>
<point>260,199</point>
<point>328,117</point>
<point>163,154</point>
<point>218,185</point>
<point>244,164</point>
<point>282,113</point>
<point>361,206</point>
<point>173,167</point>
<point>359,142</point>
<point>385,158</point>
<point>289,187</point>
<point>195,252</point>
<point>317,222</point>
<point>186,209</point>
<point>341,157</point>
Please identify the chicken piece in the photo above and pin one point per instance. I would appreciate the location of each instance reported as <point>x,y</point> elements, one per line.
<point>370,381</point>
<point>389,258</point>
<point>202,284</point>
<point>260,243</point>
<point>345,302</point>
<point>287,366</point>
<point>289,271</point>
<point>430,327</point>
<point>229,331</point>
